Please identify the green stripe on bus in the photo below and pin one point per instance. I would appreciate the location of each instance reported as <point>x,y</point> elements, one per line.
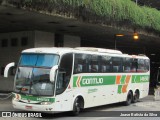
<point>133,78</point>
<point>106,80</point>
<point>140,78</point>
<point>34,98</point>
<point>94,80</point>
<point>75,81</point>
<point>123,79</point>
<point>120,88</point>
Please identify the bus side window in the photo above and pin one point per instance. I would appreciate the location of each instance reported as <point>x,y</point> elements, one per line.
<point>117,64</point>
<point>141,65</point>
<point>134,65</point>
<point>127,64</point>
<point>147,62</point>
<point>105,64</point>
<point>94,64</point>
<point>79,68</point>
<point>64,73</point>
<point>80,63</point>
<point>103,68</point>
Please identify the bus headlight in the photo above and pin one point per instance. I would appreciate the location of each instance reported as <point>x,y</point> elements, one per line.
<point>46,103</point>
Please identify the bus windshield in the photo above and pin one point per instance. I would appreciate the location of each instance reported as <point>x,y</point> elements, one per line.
<point>32,76</point>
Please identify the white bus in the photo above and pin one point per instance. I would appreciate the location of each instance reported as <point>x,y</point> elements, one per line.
<point>71,79</point>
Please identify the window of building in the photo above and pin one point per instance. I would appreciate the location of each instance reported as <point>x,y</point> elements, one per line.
<point>4,43</point>
<point>2,70</point>
<point>24,41</point>
<point>14,42</point>
<point>59,40</point>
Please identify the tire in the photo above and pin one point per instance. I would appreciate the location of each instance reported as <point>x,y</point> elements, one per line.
<point>76,107</point>
<point>135,97</point>
<point>129,98</point>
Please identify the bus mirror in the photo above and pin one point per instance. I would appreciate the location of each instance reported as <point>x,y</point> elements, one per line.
<point>53,73</point>
<point>6,70</point>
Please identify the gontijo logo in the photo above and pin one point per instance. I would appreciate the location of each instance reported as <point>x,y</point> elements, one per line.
<point>83,81</point>
<point>87,81</point>
<point>92,81</point>
<point>144,78</point>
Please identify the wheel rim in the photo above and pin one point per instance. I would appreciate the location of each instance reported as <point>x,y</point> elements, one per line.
<point>136,96</point>
<point>77,107</point>
<point>129,98</point>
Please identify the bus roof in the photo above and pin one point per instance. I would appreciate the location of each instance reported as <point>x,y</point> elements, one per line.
<point>100,50</point>
<point>63,50</point>
<point>49,50</point>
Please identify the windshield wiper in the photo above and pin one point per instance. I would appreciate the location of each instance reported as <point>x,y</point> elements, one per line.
<point>25,83</point>
<point>20,89</point>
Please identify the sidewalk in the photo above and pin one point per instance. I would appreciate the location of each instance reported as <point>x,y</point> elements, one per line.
<point>149,103</point>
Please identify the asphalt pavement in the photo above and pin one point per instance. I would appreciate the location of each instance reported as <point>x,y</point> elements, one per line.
<point>148,104</point>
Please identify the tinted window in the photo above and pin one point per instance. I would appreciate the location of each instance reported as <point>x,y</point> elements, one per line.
<point>64,73</point>
<point>141,65</point>
<point>94,63</point>
<point>147,63</point>
<point>134,65</point>
<point>127,64</point>
<point>117,64</point>
<point>106,64</point>
<point>81,63</point>
<point>39,60</point>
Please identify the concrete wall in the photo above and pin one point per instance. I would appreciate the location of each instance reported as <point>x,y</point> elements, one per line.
<point>71,41</point>
<point>44,39</point>
<point>12,53</point>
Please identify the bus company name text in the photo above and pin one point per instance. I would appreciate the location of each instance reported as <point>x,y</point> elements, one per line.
<point>89,81</point>
<point>144,78</point>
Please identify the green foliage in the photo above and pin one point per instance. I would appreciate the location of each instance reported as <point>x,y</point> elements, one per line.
<point>116,11</point>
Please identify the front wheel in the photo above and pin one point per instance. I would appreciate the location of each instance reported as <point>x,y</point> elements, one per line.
<point>76,107</point>
<point>129,98</point>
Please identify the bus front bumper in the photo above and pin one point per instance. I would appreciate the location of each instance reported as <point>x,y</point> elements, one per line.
<point>33,107</point>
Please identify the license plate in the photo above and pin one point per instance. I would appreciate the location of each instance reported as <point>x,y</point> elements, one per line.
<point>28,107</point>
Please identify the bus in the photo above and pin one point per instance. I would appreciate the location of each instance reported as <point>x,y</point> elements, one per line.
<point>70,79</point>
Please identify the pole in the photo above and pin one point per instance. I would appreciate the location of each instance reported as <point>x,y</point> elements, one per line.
<point>115,44</point>
<point>136,2</point>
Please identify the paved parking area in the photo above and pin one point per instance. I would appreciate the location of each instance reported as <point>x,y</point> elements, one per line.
<point>145,104</point>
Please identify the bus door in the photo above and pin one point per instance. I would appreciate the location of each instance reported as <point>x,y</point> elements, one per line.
<point>63,98</point>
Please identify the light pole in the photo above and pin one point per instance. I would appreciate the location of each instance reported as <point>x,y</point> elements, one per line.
<point>136,2</point>
<point>115,39</point>
<point>115,44</point>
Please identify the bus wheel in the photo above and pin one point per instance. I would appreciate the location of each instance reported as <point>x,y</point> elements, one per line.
<point>76,107</point>
<point>129,98</point>
<point>135,97</point>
